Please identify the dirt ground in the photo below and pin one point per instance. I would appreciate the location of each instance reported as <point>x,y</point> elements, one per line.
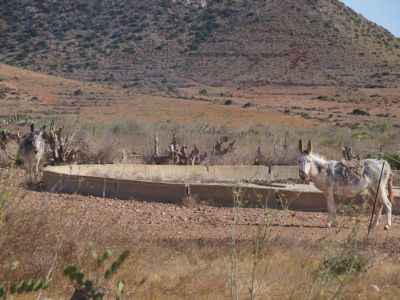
<point>164,221</point>
<point>38,95</point>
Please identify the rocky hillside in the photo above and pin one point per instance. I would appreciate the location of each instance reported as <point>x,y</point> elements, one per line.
<point>214,42</point>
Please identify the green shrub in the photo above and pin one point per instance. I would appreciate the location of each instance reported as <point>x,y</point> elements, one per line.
<point>129,50</point>
<point>91,37</point>
<point>247,104</point>
<point>360,112</point>
<point>380,75</point>
<point>346,264</point>
<point>393,158</point>
<point>78,92</point>
<point>85,286</point>
<point>23,287</point>
<point>203,92</point>
<point>228,102</point>
<point>41,45</point>
<point>165,4</point>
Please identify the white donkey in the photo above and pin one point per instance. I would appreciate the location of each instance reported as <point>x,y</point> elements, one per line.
<point>327,176</point>
<point>32,150</point>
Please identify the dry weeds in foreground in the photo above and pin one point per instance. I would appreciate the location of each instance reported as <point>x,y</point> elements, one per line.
<point>200,270</point>
<point>174,269</point>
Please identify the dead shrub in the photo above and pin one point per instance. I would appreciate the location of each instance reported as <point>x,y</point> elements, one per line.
<point>192,201</point>
<point>96,149</point>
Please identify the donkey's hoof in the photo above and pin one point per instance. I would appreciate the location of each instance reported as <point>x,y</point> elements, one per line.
<point>387,227</point>
<point>328,225</point>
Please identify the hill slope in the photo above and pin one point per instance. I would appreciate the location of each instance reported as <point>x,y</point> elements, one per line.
<point>218,42</point>
<point>38,96</point>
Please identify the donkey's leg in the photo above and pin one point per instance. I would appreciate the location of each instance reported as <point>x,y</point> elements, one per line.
<point>388,206</point>
<point>378,205</point>
<point>331,207</point>
<point>39,167</point>
<point>36,170</point>
<point>378,212</point>
<point>31,172</point>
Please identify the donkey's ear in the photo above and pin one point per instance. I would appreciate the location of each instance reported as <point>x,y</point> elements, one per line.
<point>45,136</point>
<point>309,147</point>
<point>32,127</point>
<point>300,146</point>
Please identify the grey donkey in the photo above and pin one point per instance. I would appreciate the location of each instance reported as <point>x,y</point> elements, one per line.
<point>327,176</point>
<point>32,150</point>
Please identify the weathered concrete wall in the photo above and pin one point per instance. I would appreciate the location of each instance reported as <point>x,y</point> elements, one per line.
<point>115,188</point>
<point>167,173</point>
<point>195,181</point>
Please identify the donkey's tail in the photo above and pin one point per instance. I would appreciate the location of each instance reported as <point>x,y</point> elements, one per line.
<point>390,188</point>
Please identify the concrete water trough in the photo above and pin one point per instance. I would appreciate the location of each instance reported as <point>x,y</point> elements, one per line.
<point>214,185</point>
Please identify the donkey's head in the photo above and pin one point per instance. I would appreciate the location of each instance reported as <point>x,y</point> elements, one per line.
<point>305,160</point>
<point>38,138</point>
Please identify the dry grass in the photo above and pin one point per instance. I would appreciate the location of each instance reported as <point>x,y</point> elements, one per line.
<point>174,269</point>
<point>105,142</point>
<point>200,269</point>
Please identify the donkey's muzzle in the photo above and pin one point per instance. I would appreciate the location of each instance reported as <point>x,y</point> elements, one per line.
<point>303,175</point>
<point>35,150</point>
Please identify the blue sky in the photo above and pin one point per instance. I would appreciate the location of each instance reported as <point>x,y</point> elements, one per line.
<point>383,12</point>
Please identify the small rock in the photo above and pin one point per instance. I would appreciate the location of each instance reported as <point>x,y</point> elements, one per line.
<point>374,287</point>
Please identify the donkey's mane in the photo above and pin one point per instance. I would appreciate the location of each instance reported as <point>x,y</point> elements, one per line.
<point>320,158</point>
<point>320,161</point>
